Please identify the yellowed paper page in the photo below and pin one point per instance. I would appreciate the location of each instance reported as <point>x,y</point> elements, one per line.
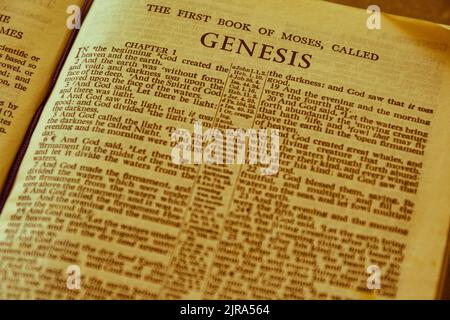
<point>355,206</point>
<point>33,35</point>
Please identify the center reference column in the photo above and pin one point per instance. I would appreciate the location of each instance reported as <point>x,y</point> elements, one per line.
<point>214,188</point>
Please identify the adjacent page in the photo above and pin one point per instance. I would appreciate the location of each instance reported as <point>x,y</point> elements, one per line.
<point>33,35</point>
<point>361,181</point>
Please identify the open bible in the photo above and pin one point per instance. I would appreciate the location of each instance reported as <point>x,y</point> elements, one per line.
<point>99,202</point>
